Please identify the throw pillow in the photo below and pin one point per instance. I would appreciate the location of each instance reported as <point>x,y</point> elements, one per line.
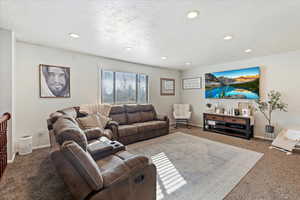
<point>93,133</point>
<point>88,122</point>
<point>93,121</point>
<point>103,120</point>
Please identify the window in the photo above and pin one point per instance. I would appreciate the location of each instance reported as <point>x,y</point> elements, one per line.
<point>124,87</point>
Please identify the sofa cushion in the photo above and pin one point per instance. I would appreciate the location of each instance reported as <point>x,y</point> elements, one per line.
<point>133,117</point>
<point>113,169</point>
<point>132,108</point>
<point>65,129</point>
<point>133,113</point>
<point>117,109</point>
<point>84,164</point>
<point>147,116</point>
<point>149,126</point>
<point>147,112</point>
<point>120,118</point>
<point>118,114</point>
<point>126,130</point>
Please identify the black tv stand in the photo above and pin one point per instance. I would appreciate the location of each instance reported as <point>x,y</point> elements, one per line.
<point>237,126</point>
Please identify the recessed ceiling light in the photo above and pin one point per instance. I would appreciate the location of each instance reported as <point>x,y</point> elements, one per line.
<point>74,35</point>
<point>248,50</point>
<point>228,37</point>
<point>128,48</point>
<point>163,57</point>
<point>188,63</point>
<point>192,14</point>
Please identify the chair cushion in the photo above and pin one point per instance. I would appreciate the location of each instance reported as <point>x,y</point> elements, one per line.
<point>149,126</point>
<point>126,130</point>
<point>84,164</point>
<point>181,111</point>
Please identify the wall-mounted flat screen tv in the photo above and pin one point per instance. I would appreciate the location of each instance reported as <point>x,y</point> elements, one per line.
<point>234,84</point>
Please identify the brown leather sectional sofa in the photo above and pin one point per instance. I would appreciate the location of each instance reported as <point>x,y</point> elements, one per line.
<point>97,168</point>
<point>134,123</point>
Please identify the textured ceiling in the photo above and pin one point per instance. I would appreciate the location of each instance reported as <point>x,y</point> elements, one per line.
<point>156,28</point>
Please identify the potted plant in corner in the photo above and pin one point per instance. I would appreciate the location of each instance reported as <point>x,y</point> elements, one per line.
<point>267,107</point>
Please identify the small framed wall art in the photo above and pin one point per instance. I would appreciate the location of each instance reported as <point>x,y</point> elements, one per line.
<point>191,83</point>
<point>167,87</point>
<point>54,81</point>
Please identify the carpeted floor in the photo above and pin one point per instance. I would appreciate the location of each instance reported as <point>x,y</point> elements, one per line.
<point>274,177</point>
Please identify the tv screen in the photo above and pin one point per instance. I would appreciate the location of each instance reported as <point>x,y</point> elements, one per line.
<point>234,84</point>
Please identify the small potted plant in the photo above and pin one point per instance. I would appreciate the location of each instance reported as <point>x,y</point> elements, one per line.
<point>267,107</point>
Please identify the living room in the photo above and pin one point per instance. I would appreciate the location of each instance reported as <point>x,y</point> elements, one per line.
<point>142,61</point>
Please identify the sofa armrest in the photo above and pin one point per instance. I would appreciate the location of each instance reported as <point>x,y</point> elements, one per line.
<point>162,118</point>
<point>113,126</point>
<point>99,149</point>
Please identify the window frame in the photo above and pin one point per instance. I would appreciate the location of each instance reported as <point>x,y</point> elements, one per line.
<point>137,83</point>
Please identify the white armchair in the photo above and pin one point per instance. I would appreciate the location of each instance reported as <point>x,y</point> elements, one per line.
<point>181,113</point>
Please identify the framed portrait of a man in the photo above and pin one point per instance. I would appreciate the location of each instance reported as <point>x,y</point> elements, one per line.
<point>54,81</point>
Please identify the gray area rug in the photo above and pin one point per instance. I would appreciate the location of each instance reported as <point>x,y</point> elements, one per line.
<point>193,168</point>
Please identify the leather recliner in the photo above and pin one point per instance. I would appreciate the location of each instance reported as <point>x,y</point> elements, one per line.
<point>119,176</point>
<point>93,170</point>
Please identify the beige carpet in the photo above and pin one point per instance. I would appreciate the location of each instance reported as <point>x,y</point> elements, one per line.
<point>193,168</point>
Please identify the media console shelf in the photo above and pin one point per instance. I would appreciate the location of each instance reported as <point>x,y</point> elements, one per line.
<point>238,126</point>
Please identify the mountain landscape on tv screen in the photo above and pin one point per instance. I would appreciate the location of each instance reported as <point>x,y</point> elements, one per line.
<point>234,84</point>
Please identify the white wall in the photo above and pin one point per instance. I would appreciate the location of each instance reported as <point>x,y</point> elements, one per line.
<point>32,111</point>
<point>7,47</point>
<point>279,72</point>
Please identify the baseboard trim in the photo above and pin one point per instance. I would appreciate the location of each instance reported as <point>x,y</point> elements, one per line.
<point>12,159</point>
<point>196,125</point>
<point>263,138</point>
<point>41,147</point>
